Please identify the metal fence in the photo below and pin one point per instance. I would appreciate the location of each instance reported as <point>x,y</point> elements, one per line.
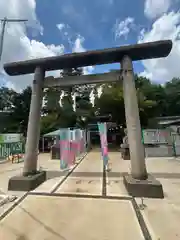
<point>161,143</point>
<point>176,143</point>
<point>7,149</point>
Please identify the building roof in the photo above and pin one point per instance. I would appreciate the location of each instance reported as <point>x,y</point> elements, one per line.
<point>169,122</point>
<point>52,134</point>
<point>168,118</point>
<point>94,126</point>
<point>56,132</point>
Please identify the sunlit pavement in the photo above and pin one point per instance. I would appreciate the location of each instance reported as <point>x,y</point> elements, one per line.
<point>85,205</point>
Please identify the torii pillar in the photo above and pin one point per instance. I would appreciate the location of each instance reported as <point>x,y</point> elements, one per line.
<point>138,182</point>
<point>138,166</point>
<point>33,130</point>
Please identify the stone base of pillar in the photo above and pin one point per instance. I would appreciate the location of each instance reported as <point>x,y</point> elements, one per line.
<point>26,183</point>
<point>149,188</point>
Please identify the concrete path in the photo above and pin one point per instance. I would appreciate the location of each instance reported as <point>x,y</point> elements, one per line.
<point>60,217</point>
<point>114,178</point>
<point>163,216</point>
<point>80,209</point>
<point>81,181</point>
<point>55,218</point>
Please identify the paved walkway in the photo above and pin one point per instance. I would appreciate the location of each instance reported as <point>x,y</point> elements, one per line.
<point>80,183</point>
<point>91,205</point>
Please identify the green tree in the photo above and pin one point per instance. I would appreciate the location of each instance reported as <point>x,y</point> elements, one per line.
<point>49,123</point>
<point>111,102</point>
<point>172,92</point>
<point>20,112</point>
<point>154,100</point>
<point>56,115</point>
<point>146,100</point>
<point>84,110</point>
<point>83,106</point>
<point>52,100</point>
<point>7,98</point>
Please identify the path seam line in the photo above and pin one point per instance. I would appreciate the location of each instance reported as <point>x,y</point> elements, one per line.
<point>17,202</point>
<point>143,226</point>
<point>104,190</point>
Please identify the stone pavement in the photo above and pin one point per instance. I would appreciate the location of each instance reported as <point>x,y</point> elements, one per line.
<point>91,205</point>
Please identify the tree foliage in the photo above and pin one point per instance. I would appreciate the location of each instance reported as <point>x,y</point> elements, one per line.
<point>154,100</point>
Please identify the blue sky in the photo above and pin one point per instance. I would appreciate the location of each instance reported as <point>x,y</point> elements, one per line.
<point>80,25</point>
<point>94,20</point>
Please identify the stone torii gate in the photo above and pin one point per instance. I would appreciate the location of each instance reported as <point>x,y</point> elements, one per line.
<point>139,183</point>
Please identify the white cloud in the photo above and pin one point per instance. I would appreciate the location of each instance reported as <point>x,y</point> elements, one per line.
<point>78,47</point>
<point>166,27</point>
<point>17,45</point>
<point>60,26</point>
<point>122,28</point>
<point>77,44</point>
<point>155,8</point>
<point>66,33</point>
